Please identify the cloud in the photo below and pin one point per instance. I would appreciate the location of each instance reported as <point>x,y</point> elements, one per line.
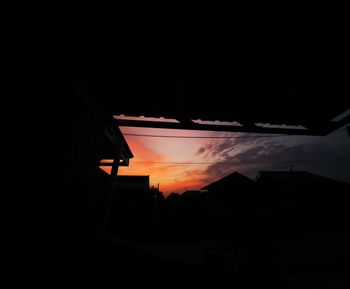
<point>322,155</point>
<point>265,154</point>
<point>205,150</point>
<point>226,147</point>
<point>201,150</point>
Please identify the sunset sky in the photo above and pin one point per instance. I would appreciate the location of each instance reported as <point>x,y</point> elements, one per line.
<point>180,164</point>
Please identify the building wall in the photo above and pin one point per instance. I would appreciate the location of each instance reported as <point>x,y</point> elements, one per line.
<point>80,141</point>
<point>131,183</point>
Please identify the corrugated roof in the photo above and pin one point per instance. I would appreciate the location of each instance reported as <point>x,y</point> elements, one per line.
<point>274,64</point>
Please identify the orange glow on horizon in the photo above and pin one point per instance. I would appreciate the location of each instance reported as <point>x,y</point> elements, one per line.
<point>150,154</point>
<point>190,163</point>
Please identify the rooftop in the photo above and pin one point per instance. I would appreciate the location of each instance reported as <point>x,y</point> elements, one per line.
<point>231,180</point>
<point>295,177</point>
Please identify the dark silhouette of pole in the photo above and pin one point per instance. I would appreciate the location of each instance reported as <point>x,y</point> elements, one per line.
<point>154,215</point>
<point>110,196</point>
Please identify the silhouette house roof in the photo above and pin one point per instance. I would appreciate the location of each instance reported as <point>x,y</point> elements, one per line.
<point>293,177</point>
<point>259,66</point>
<point>132,179</point>
<point>191,193</point>
<point>230,181</point>
<point>133,182</point>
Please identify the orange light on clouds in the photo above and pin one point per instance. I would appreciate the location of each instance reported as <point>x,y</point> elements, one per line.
<point>156,157</point>
<point>173,163</point>
<point>190,163</point>
<point>152,158</point>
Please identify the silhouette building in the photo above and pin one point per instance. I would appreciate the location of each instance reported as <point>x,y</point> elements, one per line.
<point>303,201</point>
<point>80,204</point>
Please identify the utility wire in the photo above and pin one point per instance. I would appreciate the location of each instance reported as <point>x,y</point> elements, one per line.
<point>176,136</point>
<point>239,163</point>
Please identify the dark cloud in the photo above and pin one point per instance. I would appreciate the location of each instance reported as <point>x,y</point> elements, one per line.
<point>200,151</point>
<point>280,153</point>
<point>223,147</point>
<point>328,156</point>
<point>205,150</point>
<point>266,154</point>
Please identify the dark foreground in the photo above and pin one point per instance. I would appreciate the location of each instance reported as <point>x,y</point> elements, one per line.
<point>109,263</point>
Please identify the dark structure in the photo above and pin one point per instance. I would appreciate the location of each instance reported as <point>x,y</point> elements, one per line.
<point>133,182</point>
<point>299,202</point>
<point>233,197</point>
<point>231,203</point>
<point>134,209</point>
<point>232,181</point>
<point>254,64</point>
<point>257,64</point>
<point>294,179</point>
<point>80,205</point>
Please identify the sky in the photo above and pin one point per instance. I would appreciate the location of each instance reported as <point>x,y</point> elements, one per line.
<point>179,164</point>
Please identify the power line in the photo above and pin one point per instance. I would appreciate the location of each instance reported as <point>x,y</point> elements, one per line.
<point>239,163</point>
<point>177,136</point>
